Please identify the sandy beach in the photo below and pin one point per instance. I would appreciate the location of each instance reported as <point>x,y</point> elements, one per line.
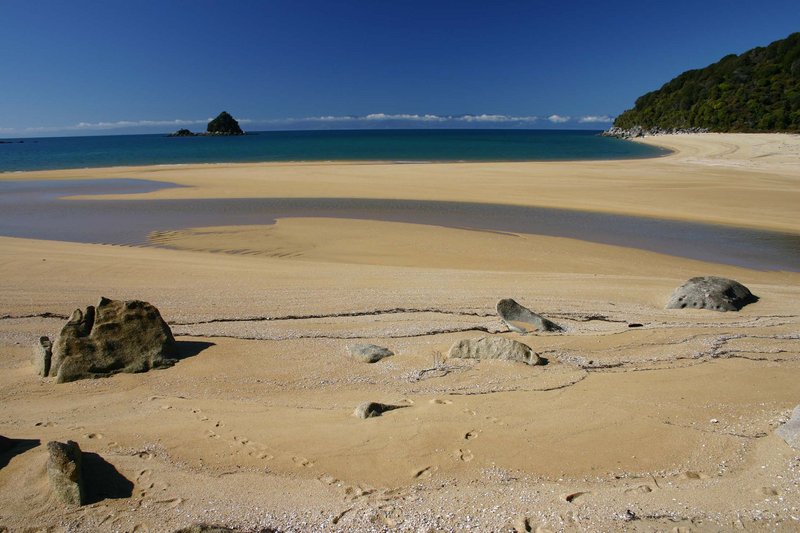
<point>644,418</point>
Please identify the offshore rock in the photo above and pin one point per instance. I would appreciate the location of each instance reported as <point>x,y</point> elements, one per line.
<point>116,336</point>
<point>713,293</point>
<point>64,471</point>
<point>224,124</point>
<point>369,353</point>
<point>523,320</point>
<point>494,348</point>
<point>42,355</point>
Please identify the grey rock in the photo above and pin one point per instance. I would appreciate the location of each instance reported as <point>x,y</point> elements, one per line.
<point>713,293</point>
<point>369,353</point>
<point>64,471</point>
<point>42,354</point>
<point>790,431</point>
<point>116,336</point>
<point>523,320</point>
<point>373,409</point>
<point>494,348</point>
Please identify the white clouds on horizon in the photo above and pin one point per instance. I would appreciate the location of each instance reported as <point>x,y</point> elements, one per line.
<point>366,120</point>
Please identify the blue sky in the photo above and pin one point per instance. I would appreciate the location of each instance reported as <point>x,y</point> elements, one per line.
<point>137,66</point>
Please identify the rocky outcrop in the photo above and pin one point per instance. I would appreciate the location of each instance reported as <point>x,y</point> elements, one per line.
<point>42,355</point>
<point>183,132</point>
<point>639,131</point>
<point>713,293</point>
<point>224,124</point>
<point>521,319</point>
<point>369,353</point>
<point>116,336</point>
<point>790,431</point>
<point>494,348</point>
<point>64,471</point>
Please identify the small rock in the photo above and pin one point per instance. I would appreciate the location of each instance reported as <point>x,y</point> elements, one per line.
<point>64,471</point>
<point>790,431</point>
<point>523,320</point>
<point>369,353</point>
<point>42,353</point>
<point>494,348</point>
<point>373,409</point>
<point>714,421</point>
<point>713,293</point>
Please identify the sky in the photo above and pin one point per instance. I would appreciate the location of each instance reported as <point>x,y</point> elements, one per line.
<point>139,66</point>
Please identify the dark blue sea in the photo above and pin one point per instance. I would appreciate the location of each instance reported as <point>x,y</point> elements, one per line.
<point>350,145</point>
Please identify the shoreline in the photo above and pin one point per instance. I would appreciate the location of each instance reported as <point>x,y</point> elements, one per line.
<point>711,178</point>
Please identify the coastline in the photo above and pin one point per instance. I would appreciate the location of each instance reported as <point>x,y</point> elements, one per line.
<point>713,178</point>
<point>661,414</point>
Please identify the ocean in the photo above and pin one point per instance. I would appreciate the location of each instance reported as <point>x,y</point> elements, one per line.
<point>48,153</point>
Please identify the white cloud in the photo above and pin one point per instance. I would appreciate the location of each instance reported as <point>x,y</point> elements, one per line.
<point>559,119</point>
<point>592,119</point>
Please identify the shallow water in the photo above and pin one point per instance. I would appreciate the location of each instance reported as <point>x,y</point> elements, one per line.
<point>32,209</point>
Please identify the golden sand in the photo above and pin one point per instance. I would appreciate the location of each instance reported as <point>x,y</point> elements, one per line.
<point>672,420</point>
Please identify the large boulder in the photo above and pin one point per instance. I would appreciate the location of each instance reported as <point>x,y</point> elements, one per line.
<point>713,293</point>
<point>521,319</point>
<point>64,471</point>
<point>369,353</point>
<point>494,348</point>
<point>116,336</point>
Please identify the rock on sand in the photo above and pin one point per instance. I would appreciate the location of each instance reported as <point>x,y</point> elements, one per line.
<point>494,348</point>
<point>790,431</point>
<point>521,319</point>
<point>64,471</point>
<point>116,336</point>
<point>369,353</point>
<point>713,293</point>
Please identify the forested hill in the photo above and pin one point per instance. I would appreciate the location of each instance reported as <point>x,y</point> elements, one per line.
<point>756,91</point>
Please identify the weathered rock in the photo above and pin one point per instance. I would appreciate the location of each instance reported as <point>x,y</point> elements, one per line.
<point>64,471</point>
<point>713,293</point>
<point>790,431</point>
<point>373,409</point>
<point>117,336</point>
<point>523,320</point>
<point>494,348</point>
<point>369,353</point>
<point>42,354</point>
<point>6,444</point>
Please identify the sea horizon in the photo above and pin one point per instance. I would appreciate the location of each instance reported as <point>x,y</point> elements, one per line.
<point>389,144</point>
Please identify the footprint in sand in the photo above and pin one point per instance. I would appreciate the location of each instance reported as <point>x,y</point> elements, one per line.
<point>302,461</point>
<point>439,401</point>
<point>472,434</point>
<point>464,455</point>
<point>93,436</point>
<point>693,475</point>
<point>470,412</point>
<point>641,489</point>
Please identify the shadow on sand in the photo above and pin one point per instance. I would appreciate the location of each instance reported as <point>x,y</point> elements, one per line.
<point>17,447</point>
<point>102,480</point>
<point>186,349</point>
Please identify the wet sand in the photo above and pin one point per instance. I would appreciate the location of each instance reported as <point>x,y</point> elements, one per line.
<point>672,420</point>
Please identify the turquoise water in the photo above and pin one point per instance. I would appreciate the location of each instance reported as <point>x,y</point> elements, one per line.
<point>351,145</point>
